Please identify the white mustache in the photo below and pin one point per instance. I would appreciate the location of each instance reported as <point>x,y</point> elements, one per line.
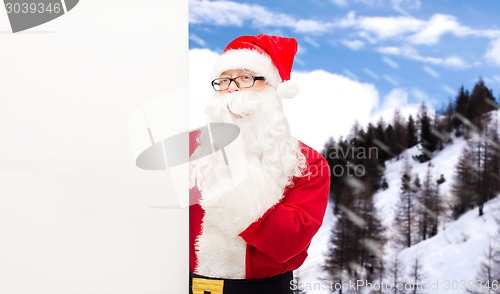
<point>242,103</point>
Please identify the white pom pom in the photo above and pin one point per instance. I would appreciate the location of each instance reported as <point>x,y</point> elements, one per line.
<point>288,89</point>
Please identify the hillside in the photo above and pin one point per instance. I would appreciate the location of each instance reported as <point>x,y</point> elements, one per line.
<point>449,260</point>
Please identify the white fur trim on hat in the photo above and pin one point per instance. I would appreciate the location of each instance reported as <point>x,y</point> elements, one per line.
<point>288,89</point>
<point>252,60</point>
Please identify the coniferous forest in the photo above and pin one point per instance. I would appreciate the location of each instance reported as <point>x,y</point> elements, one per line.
<point>359,242</point>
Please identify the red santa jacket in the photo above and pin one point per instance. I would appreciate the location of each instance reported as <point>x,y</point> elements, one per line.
<point>278,241</point>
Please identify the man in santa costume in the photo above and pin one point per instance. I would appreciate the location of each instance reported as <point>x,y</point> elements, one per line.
<point>248,236</point>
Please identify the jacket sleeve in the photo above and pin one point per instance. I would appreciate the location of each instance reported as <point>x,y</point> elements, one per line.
<point>287,229</point>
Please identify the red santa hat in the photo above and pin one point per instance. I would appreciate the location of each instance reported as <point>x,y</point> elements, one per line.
<point>267,56</point>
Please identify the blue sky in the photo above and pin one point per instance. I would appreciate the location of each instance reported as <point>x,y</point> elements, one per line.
<point>428,48</point>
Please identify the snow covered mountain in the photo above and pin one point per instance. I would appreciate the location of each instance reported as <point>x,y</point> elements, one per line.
<point>450,261</point>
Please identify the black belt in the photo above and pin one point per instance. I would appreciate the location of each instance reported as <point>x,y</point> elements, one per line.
<point>280,284</point>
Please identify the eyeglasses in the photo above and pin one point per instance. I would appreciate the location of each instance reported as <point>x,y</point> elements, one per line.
<point>242,82</point>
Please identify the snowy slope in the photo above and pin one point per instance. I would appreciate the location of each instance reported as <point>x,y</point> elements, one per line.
<point>450,259</point>
<point>443,163</point>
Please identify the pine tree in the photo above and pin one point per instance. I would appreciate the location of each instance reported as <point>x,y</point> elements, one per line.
<point>400,141</point>
<point>481,103</point>
<point>491,169</point>
<point>373,150</point>
<point>479,150</point>
<point>441,130</point>
<point>369,136</point>
<point>372,170</point>
<point>463,188</point>
<point>389,138</point>
<point>488,276</point>
<point>411,132</point>
<point>405,214</point>
<point>485,157</point>
<point>416,275</point>
<point>344,249</point>
<point>380,141</point>
<point>379,276</point>
<point>461,110</point>
<point>338,157</point>
<point>371,235</point>
<point>428,140</point>
<point>447,121</point>
<point>356,238</point>
<point>395,273</point>
<point>494,159</point>
<point>430,207</point>
<point>336,260</point>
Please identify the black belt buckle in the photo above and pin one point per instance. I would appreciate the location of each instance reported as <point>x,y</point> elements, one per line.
<point>212,286</point>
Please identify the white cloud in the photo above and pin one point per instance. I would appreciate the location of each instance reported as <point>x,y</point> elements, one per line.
<point>220,12</point>
<point>451,61</point>
<point>391,50</point>
<point>408,28</point>
<point>436,27</point>
<point>327,105</point>
<point>228,13</point>
<point>420,95</point>
<point>440,24</point>
<point>390,27</point>
<point>405,29</point>
<point>372,28</point>
<point>396,99</point>
<point>305,25</point>
<point>354,44</point>
<point>493,52</point>
<point>412,53</point>
<point>348,21</point>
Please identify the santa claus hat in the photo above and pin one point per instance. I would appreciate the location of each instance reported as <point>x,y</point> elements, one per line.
<point>267,56</point>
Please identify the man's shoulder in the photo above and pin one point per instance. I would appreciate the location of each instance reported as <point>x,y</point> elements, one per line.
<point>312,156</point>
<point>317,172</point>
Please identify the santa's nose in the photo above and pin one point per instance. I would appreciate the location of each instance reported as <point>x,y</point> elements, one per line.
<point>232,87</point>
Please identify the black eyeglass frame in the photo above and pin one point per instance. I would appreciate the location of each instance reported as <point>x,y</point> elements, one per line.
<point>255,78</point>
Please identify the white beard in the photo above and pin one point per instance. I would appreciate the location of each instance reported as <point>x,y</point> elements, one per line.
<point>264,129</point>
<point>273,158</point>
